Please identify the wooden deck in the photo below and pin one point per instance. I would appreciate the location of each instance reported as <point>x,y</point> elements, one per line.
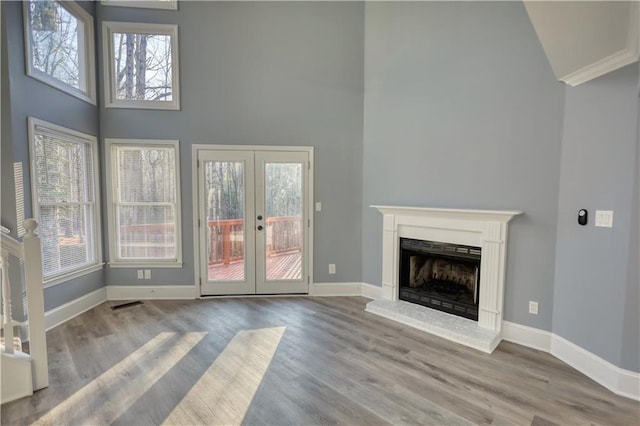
<point>279,267</point>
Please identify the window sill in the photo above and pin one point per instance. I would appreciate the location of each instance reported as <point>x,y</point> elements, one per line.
<point>148,264</point>
<point>132,104</point>
<point>61,279</point>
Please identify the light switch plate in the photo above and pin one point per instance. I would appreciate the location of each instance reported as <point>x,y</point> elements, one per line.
<point>604,218</point>
<point>318,206</point>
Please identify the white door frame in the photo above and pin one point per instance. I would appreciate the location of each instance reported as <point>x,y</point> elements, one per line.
<point>195,150</point>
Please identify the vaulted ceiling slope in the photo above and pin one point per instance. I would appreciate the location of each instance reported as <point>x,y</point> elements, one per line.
<point>584,40</point>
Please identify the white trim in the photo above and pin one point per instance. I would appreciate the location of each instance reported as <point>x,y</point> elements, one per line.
<point>623,57</point>
<point>147,4</point>
<point>149,264</point>
<point>197,148</point>
<point>618,380</point>
<point>486,229</point>
<point>159,292</point>
<point>86,49</point>
<point>108,28</point>
<point>526,336</point>
<point>335,289</point>
<point>11,245</point>
<point>72,309</point>
<point>63,278</point>
<point>371,291</point>
<point>110,175</point>
<point>37,126</point>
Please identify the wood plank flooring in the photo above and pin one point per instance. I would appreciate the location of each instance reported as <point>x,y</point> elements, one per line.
<point>284,266</point>
<point>181,362</point>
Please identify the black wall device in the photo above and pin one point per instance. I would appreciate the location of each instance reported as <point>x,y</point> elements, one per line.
<point>582,217</point>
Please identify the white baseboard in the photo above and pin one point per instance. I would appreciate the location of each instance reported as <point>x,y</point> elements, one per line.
<point>64,313</point>
<point>526,336</point>
<point>371,291</point>
<point>620,381</point>
<point>617,380</point>
<point>335,289</point>
<point>160,292</point>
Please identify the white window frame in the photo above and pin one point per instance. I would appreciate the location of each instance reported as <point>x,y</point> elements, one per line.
<point>111,173</point>
<point>86,49</point>
<point>147,4</point>
<point>110,27</point>
<point>41,127</point>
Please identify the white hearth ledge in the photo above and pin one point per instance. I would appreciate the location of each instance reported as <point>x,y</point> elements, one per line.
<point>486,229</point>
<point>451,327</point>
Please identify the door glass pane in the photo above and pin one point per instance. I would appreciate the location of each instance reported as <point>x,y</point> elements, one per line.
<point>283,221</point>
<point>224,186</point>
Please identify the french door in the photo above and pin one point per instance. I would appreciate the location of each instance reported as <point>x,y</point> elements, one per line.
<point>253,228</point>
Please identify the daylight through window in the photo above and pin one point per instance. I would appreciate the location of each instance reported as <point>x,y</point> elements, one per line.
<point>142,65</point>
<point>59,39</point>
<point>63,163</point>
<point>145,220</point>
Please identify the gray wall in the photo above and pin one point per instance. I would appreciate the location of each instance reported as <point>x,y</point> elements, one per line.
<point>264,74</point>
<point>32,98</point>
<point>599,155</point>
<point>461,109</point>
<point>631,333</point>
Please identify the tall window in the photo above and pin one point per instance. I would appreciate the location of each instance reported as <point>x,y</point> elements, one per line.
<point>65,199</point>
<point>141,65</point>
<point>144,214</point>
<point>59,46</point>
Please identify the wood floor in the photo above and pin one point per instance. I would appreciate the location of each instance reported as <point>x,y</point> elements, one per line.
<point>296,361</point>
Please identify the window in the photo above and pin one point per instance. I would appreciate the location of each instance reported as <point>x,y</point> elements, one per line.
<point>65,200</point>
<point>141,65</point>
<point>59,47</point>
<point>144,206</point>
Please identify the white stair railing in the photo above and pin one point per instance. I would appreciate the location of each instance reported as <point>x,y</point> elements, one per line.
<point>29,251</point>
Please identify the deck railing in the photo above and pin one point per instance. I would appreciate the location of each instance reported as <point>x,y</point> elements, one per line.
<point>226,238</point>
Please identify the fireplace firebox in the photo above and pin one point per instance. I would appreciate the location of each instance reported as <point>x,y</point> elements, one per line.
<point>440,276</point>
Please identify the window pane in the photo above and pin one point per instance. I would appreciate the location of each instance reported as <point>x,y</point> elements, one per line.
<point>146,232</point>
<point>283,201</point>
<point>225,220</point>
<point>146,202</point>
<point>146,174</point>
<point>65,238</point>
<point>64,170</point>
<point>55,35</point>
<point>63,181</point>
<point>142,66</point>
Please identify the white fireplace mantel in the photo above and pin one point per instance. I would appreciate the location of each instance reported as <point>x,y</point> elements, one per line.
<point>486,229</point>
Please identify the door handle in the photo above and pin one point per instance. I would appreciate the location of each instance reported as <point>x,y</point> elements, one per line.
<point>259,227</point>
<point>259,217</point>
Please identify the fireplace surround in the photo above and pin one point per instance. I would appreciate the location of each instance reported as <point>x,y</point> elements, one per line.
<point>484,229</point>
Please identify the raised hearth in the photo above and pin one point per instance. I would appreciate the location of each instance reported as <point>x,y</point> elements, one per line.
<point>486,229</point>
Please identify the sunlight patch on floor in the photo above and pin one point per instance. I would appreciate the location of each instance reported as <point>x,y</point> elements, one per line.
<point>109,395</point>
<point>224,392</point>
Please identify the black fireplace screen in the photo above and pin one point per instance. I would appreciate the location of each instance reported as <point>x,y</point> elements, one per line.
<point>440,276</point>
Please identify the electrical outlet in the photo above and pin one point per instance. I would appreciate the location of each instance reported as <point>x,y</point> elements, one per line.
<point>318,206</point>
<point>140,274</point>
<point>147,274</point>
<point>332,268</point>
<point>533,308</point>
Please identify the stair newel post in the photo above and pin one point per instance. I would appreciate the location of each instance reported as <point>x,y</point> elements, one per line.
<point>35,304</point>
<point>7,321</point>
